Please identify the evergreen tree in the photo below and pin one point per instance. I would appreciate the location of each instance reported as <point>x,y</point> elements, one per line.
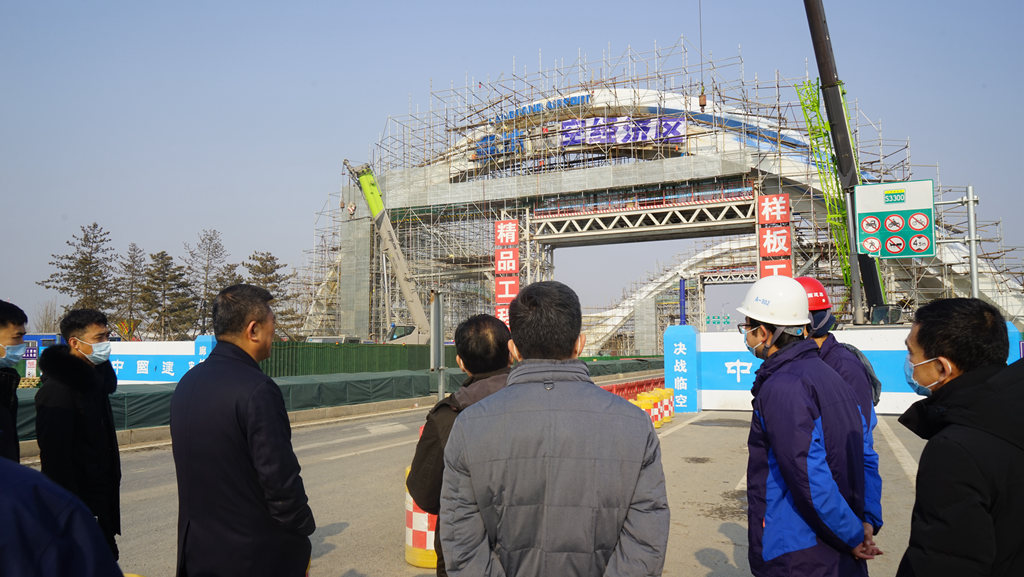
<point>205,266</point>
<point>266,272</point>
<point>87,273</point>
<point>167,299</point>
<point>228,276</point>
<point>131,281</point>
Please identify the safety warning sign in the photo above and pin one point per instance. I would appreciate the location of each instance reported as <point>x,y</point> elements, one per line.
<point>896,219</point>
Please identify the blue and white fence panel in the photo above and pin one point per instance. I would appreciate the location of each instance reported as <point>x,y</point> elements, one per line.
<point>725,369</point>
<point>157,361</point>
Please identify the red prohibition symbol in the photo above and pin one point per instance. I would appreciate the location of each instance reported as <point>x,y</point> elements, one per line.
<point>894,223</point>
<point>870,224</point>
<point>918,221</point>
<point>894,245</point>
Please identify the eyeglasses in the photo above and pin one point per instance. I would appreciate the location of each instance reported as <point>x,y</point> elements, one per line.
<point>745,328</point>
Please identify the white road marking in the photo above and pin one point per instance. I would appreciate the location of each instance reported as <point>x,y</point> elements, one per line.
<point>742,485</point>
<point>374,431</point>
<point>680,426</point>
<point>902,454</point>
<point>334,442</point>
<point>364,451</point>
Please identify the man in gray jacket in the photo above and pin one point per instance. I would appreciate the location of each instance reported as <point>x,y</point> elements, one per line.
<point>552,475</point>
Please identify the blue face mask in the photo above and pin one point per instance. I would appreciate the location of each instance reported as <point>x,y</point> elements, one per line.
<point>100,352</point>
<point>12,356</point>
<point>753,350</point>
<point>908,372</point>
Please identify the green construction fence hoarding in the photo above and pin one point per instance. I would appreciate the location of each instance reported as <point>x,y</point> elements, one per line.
<point>139,406</point>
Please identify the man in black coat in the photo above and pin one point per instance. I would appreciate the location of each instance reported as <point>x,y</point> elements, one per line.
<point>970,502</point>
<point>12,347</point>
<point>242,509</point>
<point>74,423</point>
<point>481,344</point>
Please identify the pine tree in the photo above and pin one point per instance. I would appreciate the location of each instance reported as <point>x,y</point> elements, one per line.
<point>205,266</point>
<point>167,299</point>
<point>131,281</point>
<point>87,273</point>
<point>265,271</point>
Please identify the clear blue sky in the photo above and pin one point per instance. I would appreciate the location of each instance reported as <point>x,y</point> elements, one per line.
<point>161,119</point>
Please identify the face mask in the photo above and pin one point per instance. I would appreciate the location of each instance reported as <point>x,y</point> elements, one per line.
<point>753,350</point>
<point>100,352</point>
<point>908,371</point>
<point>13,354</point>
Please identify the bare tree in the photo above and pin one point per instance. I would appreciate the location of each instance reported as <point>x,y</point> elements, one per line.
<point>206,266</point>
<point>47,317</point>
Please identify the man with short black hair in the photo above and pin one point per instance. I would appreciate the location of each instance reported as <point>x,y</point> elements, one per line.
<point>526,489</point>
<point>74,423</point>
<point>966,518</point>
<point>242,508</point>
<point>481,344</point>
<point>12,348</point>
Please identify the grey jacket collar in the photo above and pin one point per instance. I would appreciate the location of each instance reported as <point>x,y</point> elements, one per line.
<point>540,370</point>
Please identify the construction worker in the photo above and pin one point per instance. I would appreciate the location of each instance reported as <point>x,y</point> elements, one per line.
<point>857,373</point>
<point>805,470</point>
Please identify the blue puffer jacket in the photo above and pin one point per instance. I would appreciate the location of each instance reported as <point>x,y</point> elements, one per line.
<point>845,362</point>
<point>805,474</point>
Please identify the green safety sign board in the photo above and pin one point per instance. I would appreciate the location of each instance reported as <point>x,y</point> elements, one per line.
<point>717,320</point>
<point>896,219</point>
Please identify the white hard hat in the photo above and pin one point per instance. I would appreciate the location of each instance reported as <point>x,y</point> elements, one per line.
<point>776,300</point>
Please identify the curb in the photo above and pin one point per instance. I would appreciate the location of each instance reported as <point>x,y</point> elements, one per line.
<point>156,435</point>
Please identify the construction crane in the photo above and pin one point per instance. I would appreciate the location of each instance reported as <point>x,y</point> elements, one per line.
<point>846,168</point>
<point>419,332</point>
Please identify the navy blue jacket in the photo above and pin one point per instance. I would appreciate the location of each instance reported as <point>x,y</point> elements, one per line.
<point>46,530</point>
<point>805,474</point>
<point>845,362</point>
<point>241,503</point>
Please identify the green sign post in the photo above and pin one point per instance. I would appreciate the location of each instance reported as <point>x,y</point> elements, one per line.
<point>896,219</point>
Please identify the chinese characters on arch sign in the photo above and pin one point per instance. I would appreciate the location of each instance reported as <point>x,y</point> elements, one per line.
<point>774,236</point>
<point>506,266</point>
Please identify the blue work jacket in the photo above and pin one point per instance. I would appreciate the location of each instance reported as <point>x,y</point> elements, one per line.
<point>851,369</point>
<point>805,474</point>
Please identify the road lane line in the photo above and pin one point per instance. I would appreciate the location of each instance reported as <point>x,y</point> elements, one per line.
<point>742,485</point>
<point>334,442</point>
<point>680,426</point>
<point>364,451</point>
<point>902,454</point>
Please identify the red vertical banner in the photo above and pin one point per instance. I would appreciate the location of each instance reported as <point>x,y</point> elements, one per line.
<point>506,260</point>
<point>773,209</point>
<point>506,233</point>
<point>506,265</point>
<point>780,267</point>
<point>774,235</point>
<point>501,311</point>
<point>506,288</point>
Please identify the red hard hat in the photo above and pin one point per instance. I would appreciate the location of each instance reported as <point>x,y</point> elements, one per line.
<point>817,298</point>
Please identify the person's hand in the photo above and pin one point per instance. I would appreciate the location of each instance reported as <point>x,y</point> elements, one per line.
<point>867,549</point>
<point>862,551</point>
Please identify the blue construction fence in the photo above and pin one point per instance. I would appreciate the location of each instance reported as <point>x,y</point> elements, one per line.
<point>714,371</point>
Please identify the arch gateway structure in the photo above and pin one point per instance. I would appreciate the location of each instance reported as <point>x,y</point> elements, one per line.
<point>619,150</point>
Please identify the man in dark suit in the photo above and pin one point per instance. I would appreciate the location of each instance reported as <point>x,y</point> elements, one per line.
<point>242,509</point>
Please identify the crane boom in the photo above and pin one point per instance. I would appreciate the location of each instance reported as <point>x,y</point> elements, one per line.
<point>363,176</point>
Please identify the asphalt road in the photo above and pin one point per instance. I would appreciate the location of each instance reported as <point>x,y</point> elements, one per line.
<point>354,474</point>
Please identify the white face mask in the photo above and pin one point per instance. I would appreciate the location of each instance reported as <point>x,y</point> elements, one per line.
<point>12,355</point>
<point>100,352</point>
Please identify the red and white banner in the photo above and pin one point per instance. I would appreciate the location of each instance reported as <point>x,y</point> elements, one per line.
<point>781,267</point>
<point>501,311</point>
<point>774,241</point>
<point>506,260</point>
<point>506,232</point>
<point>773,209</point>
<point>506,288</point>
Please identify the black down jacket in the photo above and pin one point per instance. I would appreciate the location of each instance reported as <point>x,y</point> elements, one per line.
<point>75,430</point>
<point>970,481</point>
